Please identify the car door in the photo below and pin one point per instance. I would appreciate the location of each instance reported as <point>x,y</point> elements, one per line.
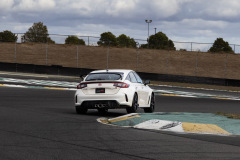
<point>137,87</point>
<point>143,89</point>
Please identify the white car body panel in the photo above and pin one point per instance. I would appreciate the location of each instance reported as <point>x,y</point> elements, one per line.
<point>122,96</point>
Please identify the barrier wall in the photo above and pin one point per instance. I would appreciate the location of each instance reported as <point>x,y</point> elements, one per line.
<point>195,64</point>
<point>68,71</point>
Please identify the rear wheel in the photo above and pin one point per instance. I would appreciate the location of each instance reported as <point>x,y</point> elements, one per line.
<point>134,106</point>
<point>152,105</point>
<point>81,110</point>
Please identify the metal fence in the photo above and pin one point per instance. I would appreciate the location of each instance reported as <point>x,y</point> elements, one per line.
<point>92,41</point>
<point>201,47</point>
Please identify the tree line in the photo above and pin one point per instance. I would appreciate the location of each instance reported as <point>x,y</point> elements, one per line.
<point>39,33</point>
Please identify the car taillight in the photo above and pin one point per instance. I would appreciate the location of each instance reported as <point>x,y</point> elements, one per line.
<point>82,85</point>
<point>121,85</point>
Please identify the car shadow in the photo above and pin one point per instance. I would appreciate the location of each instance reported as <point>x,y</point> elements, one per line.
<point>94,113</point>
<point>109,114</point>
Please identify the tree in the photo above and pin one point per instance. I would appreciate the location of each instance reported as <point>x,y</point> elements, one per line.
<point>49,40</point>
<point>133,43</point>
<point>74,40</point>
<point>125,41</point>
<point>107,39</point>
<point>160,41</point>
<point>37,33</point>
<point>171,45</point>
<point>144,46</point>
<point>220,46</point>
<point>7,36</point>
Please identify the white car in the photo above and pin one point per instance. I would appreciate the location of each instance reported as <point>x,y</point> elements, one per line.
<point>114,89</point>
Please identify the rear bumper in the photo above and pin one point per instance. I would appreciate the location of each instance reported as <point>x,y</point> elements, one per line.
<point>120,100</point>
<point>110,104</point>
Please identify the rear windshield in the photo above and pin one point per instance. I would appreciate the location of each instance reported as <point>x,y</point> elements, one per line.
<point>104,76</point>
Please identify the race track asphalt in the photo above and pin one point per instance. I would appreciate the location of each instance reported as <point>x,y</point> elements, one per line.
<point>37,124</point>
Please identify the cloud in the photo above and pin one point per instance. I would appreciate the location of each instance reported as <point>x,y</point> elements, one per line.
<point>164,8</point>
<point>202,24</point>
<point>6,4</point>
<point>180,19</point>
<point>34,5</point>
<point>121,8</point>
<point>5,7</point>
<point>126,10</point>
<point>211,10</point>
<point>224,9</point>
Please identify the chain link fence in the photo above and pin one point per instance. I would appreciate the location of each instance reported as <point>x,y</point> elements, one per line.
<point>89,40</point>
<point>201,47</point>
<point>92,41</point>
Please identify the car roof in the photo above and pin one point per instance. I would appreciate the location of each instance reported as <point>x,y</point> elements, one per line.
<point>125,71</point>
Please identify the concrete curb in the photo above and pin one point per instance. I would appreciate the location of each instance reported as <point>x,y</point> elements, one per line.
<point>198,123</point>
<point>36,87</point>
<point>194,95</point>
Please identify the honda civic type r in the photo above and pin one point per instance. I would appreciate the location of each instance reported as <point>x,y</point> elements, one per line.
<point>114,89</point>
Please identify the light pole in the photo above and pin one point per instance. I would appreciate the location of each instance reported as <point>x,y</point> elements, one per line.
<point>155,30</point>
<point>148,21</point>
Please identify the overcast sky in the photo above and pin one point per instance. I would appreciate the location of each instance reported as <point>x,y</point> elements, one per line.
<point>181,20</point>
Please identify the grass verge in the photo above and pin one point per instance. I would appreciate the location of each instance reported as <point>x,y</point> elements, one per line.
<point>229,115</point>
<point>197,86</point>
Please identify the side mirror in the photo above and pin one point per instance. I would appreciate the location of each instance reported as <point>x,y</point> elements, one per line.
<point>147,82</point>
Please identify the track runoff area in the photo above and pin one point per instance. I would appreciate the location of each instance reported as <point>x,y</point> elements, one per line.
<point>198,123</point>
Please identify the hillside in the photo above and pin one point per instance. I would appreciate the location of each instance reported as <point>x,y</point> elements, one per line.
<point>143,60</point>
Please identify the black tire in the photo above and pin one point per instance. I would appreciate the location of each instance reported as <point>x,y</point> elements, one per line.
<point>81,110</point>
<point>102,111</point>
<point>152,105</point>
<point>134,107</point>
